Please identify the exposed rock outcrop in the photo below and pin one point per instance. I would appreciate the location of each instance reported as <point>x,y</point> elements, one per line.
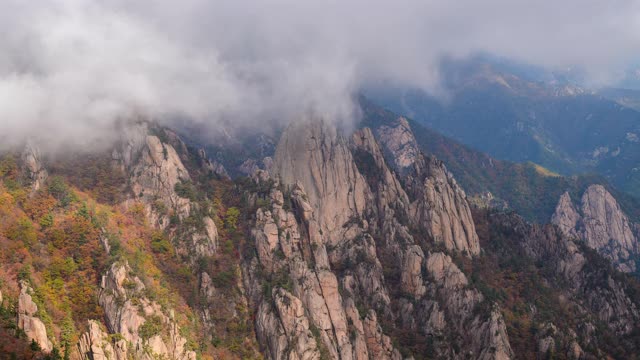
<point>154,159</point>
<point>305,295</point>
<point>328,200</point>
<point>295,340</point>
<point>32,326</point>
<point>141,322</point>
<point>438,204</point>
<point>566,216</point>
<point>155,171</point>
<point>601,224</point>
<point>33,167</point>
<point>492,339</point>
<point>400,145</point>
<point>155,168</point>
<point>212,166</point>
<point>313,154</point>
<point>600,296</point>
<point>95,344</point>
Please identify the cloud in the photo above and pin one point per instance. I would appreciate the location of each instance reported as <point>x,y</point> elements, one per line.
<point>70,69</point>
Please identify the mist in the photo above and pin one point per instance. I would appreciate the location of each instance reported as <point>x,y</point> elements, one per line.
<point>71,69</point>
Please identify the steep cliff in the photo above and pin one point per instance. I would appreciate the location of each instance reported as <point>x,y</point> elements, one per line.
<point>338,241</point>
<point>313,154</point>
<point>601,224</point>
<point>438,204</point>
<point>579,306</point>
<point>148,331</point>
<point>154,169</point>
<point>158,178</point>
<point>28,320</point>
<point>34,169</point>
<point>95,344</point>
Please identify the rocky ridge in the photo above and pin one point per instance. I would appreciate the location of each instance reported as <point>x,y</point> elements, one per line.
<point>28,320</point>
<point>600,297</point>
<point>603,226</point>
<point>96,344</point>
<point>155,171</point>
<point>438,201</point>
<point>357,247</point>
<point>142,323</point>
<point>329,291</point>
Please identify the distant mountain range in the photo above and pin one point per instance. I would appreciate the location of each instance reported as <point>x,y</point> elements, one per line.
<point>508,113</point>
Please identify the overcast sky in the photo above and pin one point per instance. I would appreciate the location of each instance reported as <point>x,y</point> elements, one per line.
<point>70,68</point>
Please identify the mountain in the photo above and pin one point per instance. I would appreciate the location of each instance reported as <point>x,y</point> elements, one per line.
<point>106,254</point>
<point>345,246</point>
<point>532,191</point>
<point>626,97</point>
<point>560,126</point>
<point>601,223</point>
<point>526,188</point>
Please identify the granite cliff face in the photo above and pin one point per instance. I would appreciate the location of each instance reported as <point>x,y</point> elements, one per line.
<point>339,244</point>
<point>438,204</point>
<point>313,154</point>
<point>147,330</point>
<point>95,344</point>
<point>28,320</point>
<point>599,299</point>
<point>603,226</point>
<point>154,169</point>
<point>33,166</point>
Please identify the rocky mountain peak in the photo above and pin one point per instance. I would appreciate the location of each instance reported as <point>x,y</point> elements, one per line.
<point>601,223</point>
<point>315,155</point>
<point>399,144</point>
<point>33,166</point>
<point>438,204</point>
<point>566,215</point>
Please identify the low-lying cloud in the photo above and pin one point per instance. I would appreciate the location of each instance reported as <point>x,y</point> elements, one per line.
<point>70,69</point>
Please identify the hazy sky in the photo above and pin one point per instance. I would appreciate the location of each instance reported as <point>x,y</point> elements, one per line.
<point>70,68</point>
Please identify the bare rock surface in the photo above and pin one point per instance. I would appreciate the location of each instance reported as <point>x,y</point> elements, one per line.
<point>322,252</point>
<point>601,224</point>
<point>95,344</point>
<point>28,321</point>
<point>127,311</point>
<point>439,204</point>
<point>314,155</point>
<point>32,163</point>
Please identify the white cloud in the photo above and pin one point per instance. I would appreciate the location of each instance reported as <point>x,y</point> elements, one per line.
<point>70,68</point>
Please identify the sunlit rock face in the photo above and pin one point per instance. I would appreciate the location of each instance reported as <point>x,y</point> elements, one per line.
<point>334,207</point>
<point>32,326</point>
<point>601,223</point>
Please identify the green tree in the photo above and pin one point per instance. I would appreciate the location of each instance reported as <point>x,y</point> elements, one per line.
<point>231,218</point>
<point>59,189</point>
<point>66,335</point>
<point>159,243</point>
<point>46,221</point>
<point>151,327</point>
<point>83,212</point>
<point>23,230</point>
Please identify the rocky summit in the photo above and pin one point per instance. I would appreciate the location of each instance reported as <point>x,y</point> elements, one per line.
<point>340,245</point>
<point>601,224</point>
